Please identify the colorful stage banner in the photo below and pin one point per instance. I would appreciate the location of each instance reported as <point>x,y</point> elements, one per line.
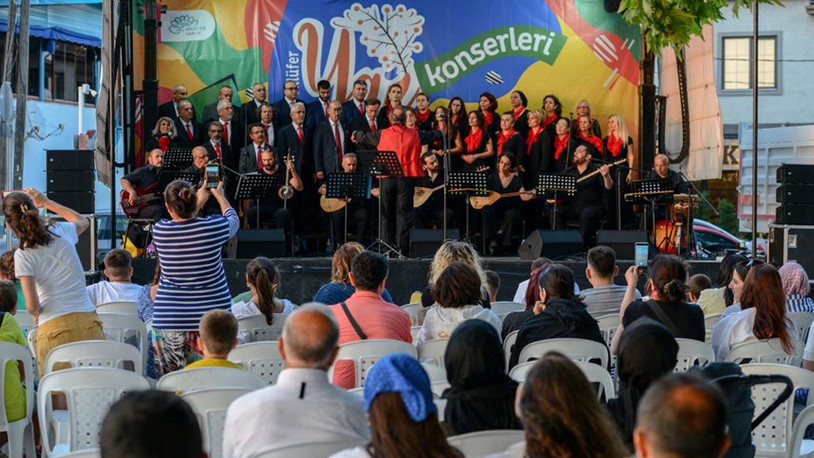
<point>572,49</point>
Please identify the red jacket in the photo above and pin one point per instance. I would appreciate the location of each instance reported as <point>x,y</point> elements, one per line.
<point>407,145</point>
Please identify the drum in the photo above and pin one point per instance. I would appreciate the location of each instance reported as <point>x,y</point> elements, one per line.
<point>669,235</point>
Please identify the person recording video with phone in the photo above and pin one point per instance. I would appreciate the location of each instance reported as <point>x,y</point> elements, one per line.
<point>200,159</point>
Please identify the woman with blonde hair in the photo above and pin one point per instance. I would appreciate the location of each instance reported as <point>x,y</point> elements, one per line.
<point>449,252</point>
<point>583,108</point>
<point>340,289</point>
<point>618,145</point>
<point>163,135</point>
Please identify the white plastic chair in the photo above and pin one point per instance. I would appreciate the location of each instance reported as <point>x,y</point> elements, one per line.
<point>764,351</point>
<point>120,307</point>
<point>711,320</point>
<point>205,378</point>
<point>691,353</point>
<point>435,373</point>
<point>432,351</point>
<point>574,349</point>
<point>438,387</point>
<point>261,358</point>
<point>412,310</point>
<point>89,392</point>
<point>95,353</point>
<point>802,321</point>
<point>800,446</point>
<point>773,436</point>
<point>608,325</point>
<point>20,432</point>
<point>414,330</point>
<point>508,344</point>
<point>210,407</point>
<point>127,329</point>
<point>32,339</point>
<point>255,328</point>
<point>593,372</point>
<point>313,449</point>
<point>503,308</point>
<point>365,353</point>
<point>25,321</point>
<point>87,453</point>
<point>441,406</point>
<point>482,443</point>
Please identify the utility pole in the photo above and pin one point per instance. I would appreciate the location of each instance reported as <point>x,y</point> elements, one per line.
<point>8,75</point>
<point>22,94</point>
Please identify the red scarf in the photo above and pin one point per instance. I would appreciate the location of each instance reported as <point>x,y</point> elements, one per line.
<point>594,140</point>
<point>615,145</point>
<point>531,138</point>
<point>549,119</point>
<point>164,143</point>
<point>502,138</point>
<point>422,117</point>
<point>518,111</point>
<point>473,140</point>
<point>560,145</point>
<point>487,119</point>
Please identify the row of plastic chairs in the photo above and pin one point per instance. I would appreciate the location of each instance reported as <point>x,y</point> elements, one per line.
<point>500,308</point>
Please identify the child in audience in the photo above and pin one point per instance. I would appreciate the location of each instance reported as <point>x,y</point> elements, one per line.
<point>14,393</point>
<point>492,284</point>
<point>218,331</point>
<point>7,273</point>
<point>118,286</point>
<point>697,284</point>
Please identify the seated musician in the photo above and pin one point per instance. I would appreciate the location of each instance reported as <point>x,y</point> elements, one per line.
<point>503,218</point>
<point>430,215</point>
<point>272,211</point>
<point>200,157</point>
<point>141,186</point>
<point>661,171</point>
<point>588,206</point>
<point>359,216</point>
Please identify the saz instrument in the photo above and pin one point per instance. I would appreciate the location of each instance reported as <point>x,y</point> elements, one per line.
<point>422,195</point>
<point>332,204</point>
<point>478,202</point>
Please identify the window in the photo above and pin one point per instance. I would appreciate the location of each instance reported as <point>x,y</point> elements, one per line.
<point>737,63</point>
<point>68,67</point>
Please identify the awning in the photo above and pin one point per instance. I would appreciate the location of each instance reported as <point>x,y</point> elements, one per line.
<point>79,23</point>
<point>56,33</point>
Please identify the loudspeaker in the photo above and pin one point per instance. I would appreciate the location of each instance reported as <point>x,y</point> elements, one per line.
<point>70,180</point>
<point>795,194</point>
<point>81,202</point>
<point>260,242</point>
<point>88,243</point>
<point>550,244</point>
<point>795,174</point>
<point>622,242</point>
<point>59,159</point>
<point>425,242</point>
<point>795,214</point>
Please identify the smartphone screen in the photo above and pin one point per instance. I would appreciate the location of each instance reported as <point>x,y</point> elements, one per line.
<point>641,254</point>
<point>212,175</point>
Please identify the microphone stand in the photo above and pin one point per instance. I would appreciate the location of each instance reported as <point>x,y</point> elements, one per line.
<point>690,189</point>
<point>445,146</point>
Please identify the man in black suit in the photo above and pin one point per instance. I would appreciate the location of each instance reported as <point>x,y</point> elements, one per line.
<point>296,139</point>
<point>170,109</point>
<point>250,159</point>
<point>249,110</point>
<point>233,132</point>
<point>355,106</point>
<point>282,107</point>
<point>215,148</point>
<point>211,111</point>
<point>359,216</point>
<point>316,112</point>
<point>266,112</point>
<point>331,141</point>
<point>190,132</point>
<point>367,123</point>
<point>200,157</point>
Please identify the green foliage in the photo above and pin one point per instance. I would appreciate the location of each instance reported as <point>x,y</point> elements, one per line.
<point>674,22</point>
<point>728,217</point>
<point>703,211</point>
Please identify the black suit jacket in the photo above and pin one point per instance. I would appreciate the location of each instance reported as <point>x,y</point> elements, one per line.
<point>237,134</point>
<point>182,140</point>
<point>282,115</point>
<point>326,158</point>
<point>167,109</point>
<point>350,111</point>
<point>315,114</point>
<point>228,159</point>
<point>248,159</point>
<point>361,124</point>
<point>289,142</point>
<point>210,113</point>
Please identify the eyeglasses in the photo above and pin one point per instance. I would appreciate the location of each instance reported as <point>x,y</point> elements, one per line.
<point>290,88</point>
<point>582,107</point>
<point>212,131</point>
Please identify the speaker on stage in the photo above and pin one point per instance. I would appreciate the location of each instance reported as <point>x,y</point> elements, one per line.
<point>622,242</point>
<point>260,242</point>
<point>550,244</point>
<point>425,242</point>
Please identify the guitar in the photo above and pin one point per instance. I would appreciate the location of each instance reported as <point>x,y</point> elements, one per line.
<point>422,195</point>
<point>145,196</point>
<point>478,202</point>
<point>332,204</point>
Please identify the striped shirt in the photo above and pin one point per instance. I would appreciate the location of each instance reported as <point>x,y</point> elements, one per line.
<point>799,303</point>
<point>192,280</point>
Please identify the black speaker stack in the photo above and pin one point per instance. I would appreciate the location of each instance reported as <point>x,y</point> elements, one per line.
<point>795,194</point>
<point>71,179</point>
<point>550,244</point>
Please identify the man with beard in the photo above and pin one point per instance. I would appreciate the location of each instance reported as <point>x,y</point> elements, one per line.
<point>431,214</point>
<point>359,216</point>
<point>317,111</point>
<point>272,213</point>
<point>200,157</point>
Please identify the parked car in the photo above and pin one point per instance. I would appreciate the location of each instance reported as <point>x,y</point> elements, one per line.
<point>712,241</point>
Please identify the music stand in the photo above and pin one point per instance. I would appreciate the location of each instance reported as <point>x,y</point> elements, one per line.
<point>381,164</point>
<point>649,192</point>
<point>168,176</point>
<point>549,184</point>
<point>467,184</point>
<point>255,186</point>
<point>177,158</point>
<point>346,186</point>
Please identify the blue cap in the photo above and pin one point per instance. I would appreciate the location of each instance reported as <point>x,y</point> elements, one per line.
<point>401,373</point>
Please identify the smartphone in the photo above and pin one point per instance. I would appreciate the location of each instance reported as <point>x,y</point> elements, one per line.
<point>641,253</point>
<point>212,175</point>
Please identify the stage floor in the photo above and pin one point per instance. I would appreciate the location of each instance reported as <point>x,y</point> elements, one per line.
<point>302,277</point>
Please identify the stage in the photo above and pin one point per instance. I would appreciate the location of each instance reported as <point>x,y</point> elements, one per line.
<point>302,277</point>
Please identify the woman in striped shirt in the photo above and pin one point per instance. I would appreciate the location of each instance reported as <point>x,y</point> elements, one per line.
<point>192,279</point>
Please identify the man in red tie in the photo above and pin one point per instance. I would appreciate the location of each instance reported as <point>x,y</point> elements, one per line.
<point>331,141</point>
<point>296,139</point>
<point>367,122</point>
<point>266,113</point>
<point>189,131</point>
<point>216,148</point>
<point>355,106</point>
<point>317,112</point>
<point>250,159</point>
<point>232,130</point>
<point>282,116</point>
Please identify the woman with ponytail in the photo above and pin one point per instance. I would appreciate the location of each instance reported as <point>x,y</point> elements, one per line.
<point>50,272</point>
<point>263,280</point>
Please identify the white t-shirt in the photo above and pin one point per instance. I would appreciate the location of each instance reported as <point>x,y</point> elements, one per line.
<point>105,291</point>
<point>58,273</point>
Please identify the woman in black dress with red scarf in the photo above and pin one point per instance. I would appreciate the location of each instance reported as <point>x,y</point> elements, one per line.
<point>423,113</point>
<point>618,144</point>
<point>458,116</point>
<point>392,100</point>
<point>519,102</point>
<point>508,140</point>
<point>487,103</point>
<point>535,162</point>
<point>478,145</point>
<point>552,108</point>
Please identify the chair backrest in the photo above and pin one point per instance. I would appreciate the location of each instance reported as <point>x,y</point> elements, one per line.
<point>122,307</point>
<point>438,387</point>
<point>711,320</point>
<point>89,392</point>
<point>773,435</point>
<point>205,378</point>
<point>432,351</point>
<point>802,321</point>
<point>87,453</point>
<point>691,353</point>
<point>127,329</point>
<point>484,443</point>
<point>210,407</point>
<point>508,344</point>
<point>12,352</point>
<point>801,423</point>
<point>608,325</point>
<point>32,339</point>
<point>574,349</point>
<point>261,358</point>
<point>503,308</point>
<point>25,321</point>
<point>412,310</point>
<point>593,372</point>
<point>365,353</point>
<point>763,351</point>
<point>313,449</point>
<point>96,353</point>
<point>257,330</point>
<point>435,373</point>
<point>414,330</point>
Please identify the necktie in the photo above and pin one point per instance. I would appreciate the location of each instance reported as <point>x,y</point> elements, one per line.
<point>226,133</point>
<point>326,110</point>
<point>338,139</point>
<point>266,130</point>
<point>361,108</point>
<point>189,131</point>
<point>217,151</point>
<point>259,160</point>
<point>372,126</point>
<point>299,132</point>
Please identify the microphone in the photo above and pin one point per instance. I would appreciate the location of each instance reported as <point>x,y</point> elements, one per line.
<point>441,115</point>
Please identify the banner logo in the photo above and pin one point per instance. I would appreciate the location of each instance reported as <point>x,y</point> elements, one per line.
<point>187,25</point>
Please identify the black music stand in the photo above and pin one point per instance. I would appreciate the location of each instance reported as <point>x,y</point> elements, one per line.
<point>550,184</point>
<point>381,164</point>
<point>255,186</point>
<point>177,158</point>
<point>168,176</point>
<point>649,192</point>
<point>346,186</point>
<point>467,184</point>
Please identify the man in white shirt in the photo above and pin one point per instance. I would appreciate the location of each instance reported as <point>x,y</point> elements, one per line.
<point>118,286</point>
<point>303,407</point>
<point>604,297</point>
